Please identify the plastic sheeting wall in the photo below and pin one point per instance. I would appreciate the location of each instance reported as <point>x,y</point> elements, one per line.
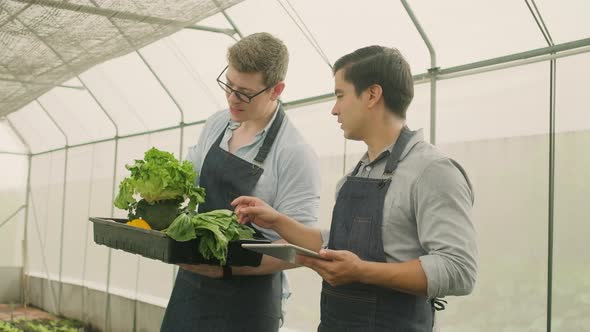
<point>496,124</point>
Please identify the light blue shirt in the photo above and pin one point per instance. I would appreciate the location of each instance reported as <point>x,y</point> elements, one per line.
<point>290,182</point>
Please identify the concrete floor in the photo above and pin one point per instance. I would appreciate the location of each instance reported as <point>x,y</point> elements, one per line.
<point>10,312</point>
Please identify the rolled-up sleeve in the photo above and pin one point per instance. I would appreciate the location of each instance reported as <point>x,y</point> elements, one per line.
<point>443,201</point>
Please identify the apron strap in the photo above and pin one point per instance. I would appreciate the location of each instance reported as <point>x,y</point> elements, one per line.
<point>271,135</point>
<point>220,137</point>
<point>462,170</point>
<point>398,148</point>
<point>356,169</point>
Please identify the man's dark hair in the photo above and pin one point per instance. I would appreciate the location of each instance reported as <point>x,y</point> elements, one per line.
<point>383,66</point>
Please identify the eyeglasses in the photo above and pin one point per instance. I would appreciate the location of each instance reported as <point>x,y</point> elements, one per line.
<point>246,98</point>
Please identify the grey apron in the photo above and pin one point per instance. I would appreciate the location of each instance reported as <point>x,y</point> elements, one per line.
<point>243,303</point>
<point>356,226</point>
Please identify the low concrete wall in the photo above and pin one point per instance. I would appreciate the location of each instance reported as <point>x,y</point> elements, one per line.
<point>10,284</point>
<point>88,305</point>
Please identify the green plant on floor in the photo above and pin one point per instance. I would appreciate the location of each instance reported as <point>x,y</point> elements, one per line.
<point>7,327</point>
<point>42,325</point>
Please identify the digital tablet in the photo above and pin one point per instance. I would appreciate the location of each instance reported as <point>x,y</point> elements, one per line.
<point>284,251</point>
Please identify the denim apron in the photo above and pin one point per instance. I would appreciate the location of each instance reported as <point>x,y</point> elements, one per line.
<point>356,226</point>
<point>243,303</point>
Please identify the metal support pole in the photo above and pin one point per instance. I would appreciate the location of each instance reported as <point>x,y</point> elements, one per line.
<point>43,257</point>
<point>228,32</point>
<point>551,198</point>
<point>125,136</point>
<point>14,153</point>
<point>105,12</point>
<point>514,60</point>
<point>229,20</point>
<point>536,14</point>
<point>543,54</point>
<point>24,278</point>
<point>5,79</point>
<point>116,139</point>
<point>24,293</point>
<point>90,177</point>
<point>169,93</point>
<point>63,205</point>
<point>432,72</point>
<point>181,125</point>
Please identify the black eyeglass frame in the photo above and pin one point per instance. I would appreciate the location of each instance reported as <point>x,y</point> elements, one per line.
<point>241,95</point>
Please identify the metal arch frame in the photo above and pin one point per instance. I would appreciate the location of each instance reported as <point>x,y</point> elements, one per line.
<point>542,54</point>
<point>114,166</point>
<point>113,183</point>
<point>551,167</point>
<point>228,32</point>
<point>23,294</point>
<point>63,203</point>
<point>101,12</point>
<point>116,138</point>
<point>432,71</point>
<point>181,124</point>
<point>513,60</point>
<point>65,86</point>
<point>66,147</point>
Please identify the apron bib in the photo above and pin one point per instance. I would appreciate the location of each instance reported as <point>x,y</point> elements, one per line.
<point>356,226</point>
<point>244,303</point>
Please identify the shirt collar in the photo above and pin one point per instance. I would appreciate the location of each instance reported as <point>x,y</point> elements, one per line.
<point>233,125</point>
<point>418,137</point>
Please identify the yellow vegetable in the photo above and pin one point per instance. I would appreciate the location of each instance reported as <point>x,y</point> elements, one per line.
<point>139,223</point>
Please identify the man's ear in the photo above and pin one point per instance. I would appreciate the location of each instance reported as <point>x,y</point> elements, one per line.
<point>374,93</point>
<point>277,90</point>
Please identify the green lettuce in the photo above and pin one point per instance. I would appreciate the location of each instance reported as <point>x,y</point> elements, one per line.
<point>159,177</point>
<point>214,229</point>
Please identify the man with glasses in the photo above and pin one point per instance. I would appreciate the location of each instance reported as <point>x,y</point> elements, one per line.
<point>249,149</point>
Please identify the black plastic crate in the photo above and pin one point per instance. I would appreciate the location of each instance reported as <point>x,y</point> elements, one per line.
<point>114,233</point>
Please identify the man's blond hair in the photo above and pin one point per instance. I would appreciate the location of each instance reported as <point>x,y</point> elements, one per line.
<point>260,53</point>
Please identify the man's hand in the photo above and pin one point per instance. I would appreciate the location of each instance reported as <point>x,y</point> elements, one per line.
<point>254,210</point>
<point>343,268</point>
<point>211,271</point>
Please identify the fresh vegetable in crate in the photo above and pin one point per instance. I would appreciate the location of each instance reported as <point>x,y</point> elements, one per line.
<point>164,184</point>
<point>214,230</point>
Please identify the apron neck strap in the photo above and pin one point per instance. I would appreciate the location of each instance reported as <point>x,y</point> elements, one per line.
<point>398,148</point>
<point>271,135</point>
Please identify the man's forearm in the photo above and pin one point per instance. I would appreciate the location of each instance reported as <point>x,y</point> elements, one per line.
<point>407,277</point>
<point>291,231</point>
<point>298,234</point>
<point>268,265</point>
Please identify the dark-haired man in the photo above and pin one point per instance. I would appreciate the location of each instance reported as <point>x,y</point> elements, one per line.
<point>401,233</point>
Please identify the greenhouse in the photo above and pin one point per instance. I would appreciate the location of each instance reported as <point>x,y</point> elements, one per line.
<point>87,87</point>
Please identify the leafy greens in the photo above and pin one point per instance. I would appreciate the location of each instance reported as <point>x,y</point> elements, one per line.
<point>214,230</point>
<point>160,176</point>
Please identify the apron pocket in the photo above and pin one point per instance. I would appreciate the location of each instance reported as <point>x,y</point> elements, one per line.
<point>359,238</point>
<point>346,313</point>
